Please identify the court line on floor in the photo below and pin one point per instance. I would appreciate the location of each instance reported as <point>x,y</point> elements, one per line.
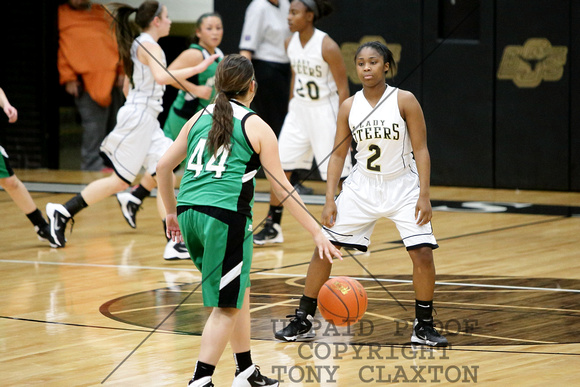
<point>97,265</point>
<point>451,348</point>
<point>138,330</point>
<point>529,342</point>
<point>443,283</point>
<point>259,197</point>
<point>471,206</point>
<point>509,287</point>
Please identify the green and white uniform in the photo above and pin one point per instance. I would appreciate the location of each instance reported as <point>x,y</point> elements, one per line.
<point>214,208</point>
<point>5,169</point>
<point>185,104</point>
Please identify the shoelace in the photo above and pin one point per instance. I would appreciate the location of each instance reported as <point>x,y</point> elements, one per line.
<point>294,317</point>
<point>137,206</point>
<point>267,223</point>
<point>258,374</point>
<point>431,329</point>
<point>71,225</point>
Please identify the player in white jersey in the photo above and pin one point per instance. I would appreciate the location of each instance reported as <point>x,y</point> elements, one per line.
<point>390,180</point>
<point>319,86</point>
<point>137,140</point>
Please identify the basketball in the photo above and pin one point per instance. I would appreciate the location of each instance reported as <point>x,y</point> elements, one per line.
<point>342,301</point>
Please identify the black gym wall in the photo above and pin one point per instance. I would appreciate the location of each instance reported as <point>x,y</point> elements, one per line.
<point>495,79</point>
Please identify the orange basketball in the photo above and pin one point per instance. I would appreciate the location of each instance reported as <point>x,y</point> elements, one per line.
<point>342,301</point>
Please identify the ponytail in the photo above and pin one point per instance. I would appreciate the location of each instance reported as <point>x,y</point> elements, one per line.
<point>126,31</point>
<point>222,125</point>
<point>233,78</point>
<point>319,8</point>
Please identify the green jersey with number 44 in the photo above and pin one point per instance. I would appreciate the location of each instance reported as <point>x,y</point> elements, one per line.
<point>226,179</point>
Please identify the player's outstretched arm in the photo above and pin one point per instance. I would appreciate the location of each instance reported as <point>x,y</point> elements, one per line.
<point>265,144</point>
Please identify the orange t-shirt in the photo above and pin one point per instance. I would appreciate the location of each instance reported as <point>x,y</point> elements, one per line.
<point>87,47</point>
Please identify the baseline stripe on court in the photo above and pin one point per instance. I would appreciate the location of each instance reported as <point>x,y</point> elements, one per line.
<point>508,287</point>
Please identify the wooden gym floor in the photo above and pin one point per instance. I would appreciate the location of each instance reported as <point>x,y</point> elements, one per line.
<point>107,309</point>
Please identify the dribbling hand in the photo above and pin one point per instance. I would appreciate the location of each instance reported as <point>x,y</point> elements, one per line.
<point>325,248</point>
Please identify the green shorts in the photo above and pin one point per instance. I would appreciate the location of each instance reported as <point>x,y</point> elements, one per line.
<point>220,244</point>
<point>5,170</point>
<point>173,124</point>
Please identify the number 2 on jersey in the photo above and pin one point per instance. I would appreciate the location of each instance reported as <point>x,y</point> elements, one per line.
<point>372,158</point>
<point>215,164</point>
<point>311,89</point>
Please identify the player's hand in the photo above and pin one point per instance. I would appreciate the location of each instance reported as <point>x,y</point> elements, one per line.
<point>202,92</point>
<point>206,62</point>
<point>329,214</point>
<point>11,112</point>
<point>173,231</point>
<point>325,248</point>
<point>423,211</point>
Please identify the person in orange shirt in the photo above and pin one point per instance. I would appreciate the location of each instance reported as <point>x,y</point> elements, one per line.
<point>90,70</point>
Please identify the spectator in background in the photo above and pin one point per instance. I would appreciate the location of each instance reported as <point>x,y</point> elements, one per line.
<point>137,141</point>
<point>263,34</point>
<point>14,187</point>
<point>90,70</point>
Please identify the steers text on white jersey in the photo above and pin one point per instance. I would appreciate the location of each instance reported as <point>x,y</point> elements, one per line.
<point>383,143</point>
<point>313,79</point>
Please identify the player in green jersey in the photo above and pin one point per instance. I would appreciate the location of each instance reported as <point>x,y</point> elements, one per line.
<point>224,146</point>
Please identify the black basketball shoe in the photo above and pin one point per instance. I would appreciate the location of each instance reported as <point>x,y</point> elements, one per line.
<point>129,207</point>
<point>58,217</point>
<point>271,233</point>
<point>202,382</point>
<point>302,190</point>
<point>299,328</point>
<point>44,234</point>
<point>425,333</point>
<point>252,377</point>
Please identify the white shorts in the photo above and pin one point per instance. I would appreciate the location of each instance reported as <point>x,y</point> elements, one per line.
<point>308,131</point>
<point>137,141</point>
<point>366,198</point>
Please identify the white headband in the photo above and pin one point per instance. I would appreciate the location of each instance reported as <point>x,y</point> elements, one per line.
<point>159,9</point>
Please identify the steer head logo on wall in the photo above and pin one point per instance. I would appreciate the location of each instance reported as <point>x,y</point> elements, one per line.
<point>536,61</point>
<point>348,50</point>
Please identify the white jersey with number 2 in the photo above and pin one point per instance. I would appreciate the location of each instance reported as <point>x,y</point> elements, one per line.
<point>383,142</point>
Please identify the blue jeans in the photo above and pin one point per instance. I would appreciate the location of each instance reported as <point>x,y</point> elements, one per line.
<point>97,122</point>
